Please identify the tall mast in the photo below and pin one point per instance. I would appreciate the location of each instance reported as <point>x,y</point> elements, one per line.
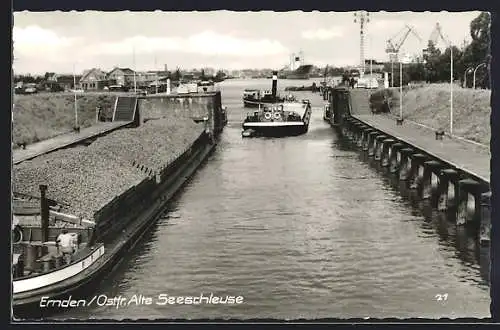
<point>133,60</point>
<point>362,17</point>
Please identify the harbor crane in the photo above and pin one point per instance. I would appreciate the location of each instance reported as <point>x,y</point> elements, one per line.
<point>436,34</point>
<point>394,46</point>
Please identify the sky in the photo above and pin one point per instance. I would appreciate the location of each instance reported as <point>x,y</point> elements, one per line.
<point>68,42</point>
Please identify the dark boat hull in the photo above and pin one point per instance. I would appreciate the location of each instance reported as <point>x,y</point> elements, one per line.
<point>276,130</point>
<point>28,304</point>
<point>256,103</point>
<point>299,76</point>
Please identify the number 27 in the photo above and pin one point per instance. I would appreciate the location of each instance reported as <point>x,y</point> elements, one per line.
<point>441,297</point>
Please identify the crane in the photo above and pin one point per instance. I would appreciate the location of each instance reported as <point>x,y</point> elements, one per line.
<point>436,34</point>
<point>394,46</point>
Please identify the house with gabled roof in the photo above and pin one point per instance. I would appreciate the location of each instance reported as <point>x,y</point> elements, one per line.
<point>94,79</point>
<point>121,76</point>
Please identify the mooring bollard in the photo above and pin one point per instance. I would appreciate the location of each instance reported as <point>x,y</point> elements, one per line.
<point>395,157</point>
<point>366,138</point>
<point>417,172</point>
<point>448,189</point>
<point>430,180</point>
<point>405,164</point>
<point>467,204</point>
<point>371,143</point>
<point>359,138</point>
<point>386,151</point>
<point>378,146</point>
<point>485,226</point>
<point>358,134</point>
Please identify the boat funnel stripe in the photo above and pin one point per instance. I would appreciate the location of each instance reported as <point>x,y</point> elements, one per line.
<point>275,77</point>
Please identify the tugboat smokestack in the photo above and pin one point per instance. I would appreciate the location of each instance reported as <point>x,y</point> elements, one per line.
<point>44,205</point>
<point>275,84</point>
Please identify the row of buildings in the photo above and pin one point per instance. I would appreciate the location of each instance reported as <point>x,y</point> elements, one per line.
<point>97,79</point>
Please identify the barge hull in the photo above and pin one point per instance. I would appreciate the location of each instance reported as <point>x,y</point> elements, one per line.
<point>28,302</point>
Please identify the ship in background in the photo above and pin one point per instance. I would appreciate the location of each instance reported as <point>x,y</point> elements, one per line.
<point>296,69</point>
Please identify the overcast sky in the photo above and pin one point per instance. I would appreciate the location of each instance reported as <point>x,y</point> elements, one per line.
<point>56,41</point>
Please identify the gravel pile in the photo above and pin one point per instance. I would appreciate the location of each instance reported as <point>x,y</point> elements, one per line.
<point>87,178</point>
<point>161,141</point>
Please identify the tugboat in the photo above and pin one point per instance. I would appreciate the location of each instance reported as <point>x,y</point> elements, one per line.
<point>254,98</point>
<point>278,118</point>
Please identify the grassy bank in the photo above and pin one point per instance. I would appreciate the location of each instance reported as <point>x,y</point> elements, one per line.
<point>430,105</point>
<point>41,116</point>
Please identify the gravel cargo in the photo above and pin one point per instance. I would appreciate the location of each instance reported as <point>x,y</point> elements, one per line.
<point>87,178</point>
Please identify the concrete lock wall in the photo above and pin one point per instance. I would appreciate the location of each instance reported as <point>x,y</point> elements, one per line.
<point>193,105</point>
<point>462,195</point>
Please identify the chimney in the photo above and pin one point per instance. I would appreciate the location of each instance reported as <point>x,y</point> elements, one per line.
<point>44,205</point>
<point>165,68</point>
<point>275,84</point>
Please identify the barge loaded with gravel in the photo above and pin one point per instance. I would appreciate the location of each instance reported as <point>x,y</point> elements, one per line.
<point>103,196</point>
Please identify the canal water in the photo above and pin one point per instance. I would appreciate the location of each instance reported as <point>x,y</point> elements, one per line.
<point>300,227</point>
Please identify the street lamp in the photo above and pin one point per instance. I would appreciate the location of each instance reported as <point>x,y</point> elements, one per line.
<point>451,88</point>
<point>469,70</point>
<point>133,60</point>
<point>474,76</point>
<point>76,103</point>
<point>371,59</point>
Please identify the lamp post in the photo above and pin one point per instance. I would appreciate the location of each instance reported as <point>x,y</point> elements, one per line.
<point>371,60</point>
<point>451,89</point>
<point>392,70</point>
<point>474,76</point>
<point>133,60</point>
<point>74,91</point>
<point>469,70</point>
<point>400,90</point>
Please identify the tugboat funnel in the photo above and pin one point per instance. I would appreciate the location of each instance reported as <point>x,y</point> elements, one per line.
<point>275,84</point>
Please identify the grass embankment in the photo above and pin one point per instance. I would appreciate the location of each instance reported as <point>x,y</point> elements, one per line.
<point>41,116</point>
<point>430,105</point>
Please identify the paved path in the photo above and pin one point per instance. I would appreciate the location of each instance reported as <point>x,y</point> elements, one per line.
<point>64,140</point>
<point>463,155</point>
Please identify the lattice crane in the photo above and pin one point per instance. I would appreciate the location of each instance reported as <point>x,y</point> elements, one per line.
<point>362,17</point>
<point>436,34</point>
<point>393,45</point>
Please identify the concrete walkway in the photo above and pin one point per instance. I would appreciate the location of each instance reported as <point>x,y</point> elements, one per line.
<point>64,140</point>
<point>460,154</point>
